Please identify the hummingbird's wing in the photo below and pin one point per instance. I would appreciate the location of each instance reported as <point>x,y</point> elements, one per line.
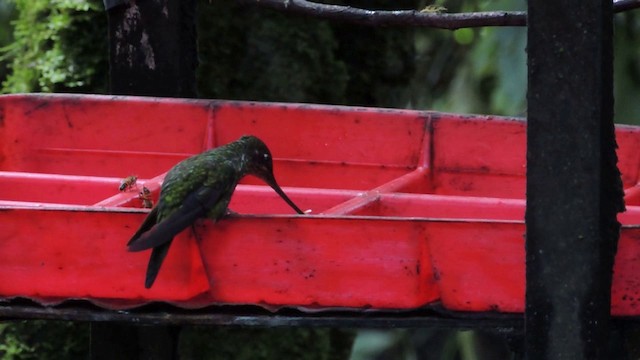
<point>195,205</point>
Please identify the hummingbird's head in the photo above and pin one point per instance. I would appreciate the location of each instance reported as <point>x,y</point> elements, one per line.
<point>260,163</point>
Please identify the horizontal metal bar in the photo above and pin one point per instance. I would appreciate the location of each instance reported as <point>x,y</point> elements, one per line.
<point>160,314</point>
<point>255,316</point>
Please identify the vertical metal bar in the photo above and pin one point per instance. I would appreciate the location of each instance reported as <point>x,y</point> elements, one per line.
<point>152,51</point>
<point>573,184</point>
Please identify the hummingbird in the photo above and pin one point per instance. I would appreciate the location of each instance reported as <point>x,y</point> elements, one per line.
<point>201,187</point>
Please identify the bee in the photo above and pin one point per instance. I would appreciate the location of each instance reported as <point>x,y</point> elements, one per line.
<point>128,182</point>
<point>145,196</point>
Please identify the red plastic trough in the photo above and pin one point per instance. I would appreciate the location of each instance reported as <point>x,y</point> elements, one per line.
<point>407,208</point>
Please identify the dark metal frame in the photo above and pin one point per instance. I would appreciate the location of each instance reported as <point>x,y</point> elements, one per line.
<point>246,315</point>
<point>574,189</point>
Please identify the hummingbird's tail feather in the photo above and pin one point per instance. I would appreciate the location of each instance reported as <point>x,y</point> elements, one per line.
<point>155,261</point>
<point>148,223</point>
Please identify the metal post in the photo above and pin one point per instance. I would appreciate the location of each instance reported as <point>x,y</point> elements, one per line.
<point>152,51</point>
<point>573,184</point>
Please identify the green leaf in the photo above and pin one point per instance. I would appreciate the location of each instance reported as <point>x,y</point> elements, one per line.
<point>463,36</point>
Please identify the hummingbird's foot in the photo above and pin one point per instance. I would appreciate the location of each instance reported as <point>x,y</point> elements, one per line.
<point>231,213</point>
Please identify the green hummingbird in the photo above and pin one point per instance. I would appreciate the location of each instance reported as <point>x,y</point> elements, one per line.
<point>201,187</point>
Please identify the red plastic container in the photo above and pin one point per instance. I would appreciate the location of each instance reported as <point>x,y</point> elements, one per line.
<point>407,208</point>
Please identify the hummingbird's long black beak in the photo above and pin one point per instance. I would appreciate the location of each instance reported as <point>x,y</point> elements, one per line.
<point>272,182</point>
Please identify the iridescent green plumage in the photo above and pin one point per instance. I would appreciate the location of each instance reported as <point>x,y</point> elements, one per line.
<point>201,186</point>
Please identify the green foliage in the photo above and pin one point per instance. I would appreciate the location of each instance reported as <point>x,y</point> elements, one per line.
<point>43,340</point>
<point>463,36</point>
<point>254,54</point>
<point>380,61</point>
<point>430,343</point>
<point>59,45</point>
<point>627,68</point>
<point>473,70</point>
<point>7,14</point>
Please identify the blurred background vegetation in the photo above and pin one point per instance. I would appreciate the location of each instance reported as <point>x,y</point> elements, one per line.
<point>256,54</point>
<point>251,53</point>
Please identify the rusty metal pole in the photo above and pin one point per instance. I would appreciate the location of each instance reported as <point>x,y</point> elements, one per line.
<point>573,184</point>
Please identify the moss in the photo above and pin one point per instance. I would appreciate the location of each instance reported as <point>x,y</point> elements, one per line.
<point>43,340</point>
<point>59,46</point>
<point>256,54</point>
